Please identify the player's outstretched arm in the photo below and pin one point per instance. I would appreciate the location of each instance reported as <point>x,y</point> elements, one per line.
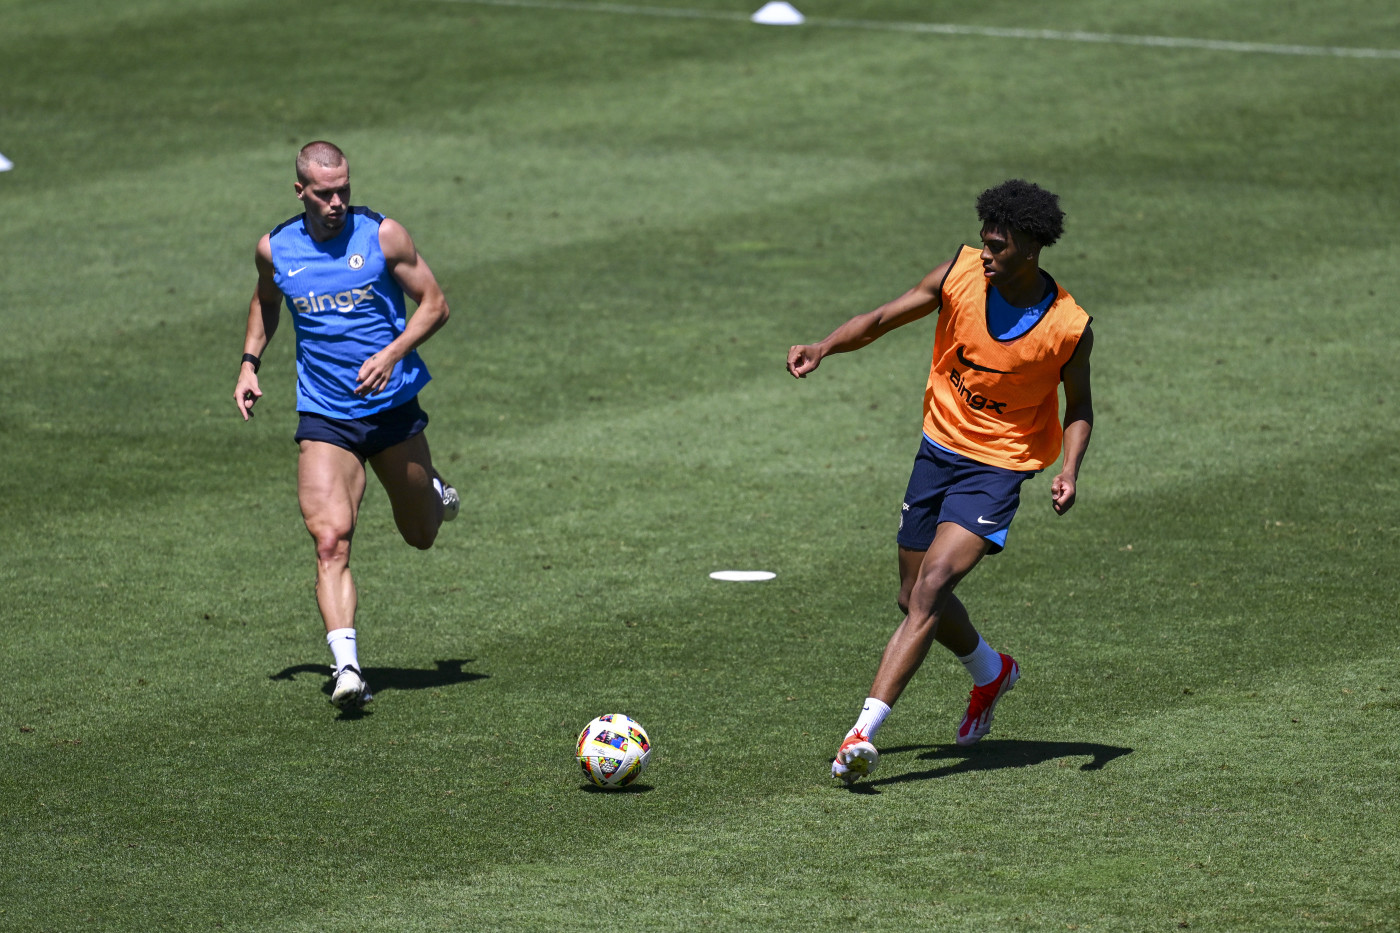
<point>411,271</point>
<point>921,300</point>
<point>1079,423</point>
<point>264,312</point>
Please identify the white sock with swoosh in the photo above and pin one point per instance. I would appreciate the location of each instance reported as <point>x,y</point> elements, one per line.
<point>983,664</point>
<point>341,641</point>
<point>871,718</point>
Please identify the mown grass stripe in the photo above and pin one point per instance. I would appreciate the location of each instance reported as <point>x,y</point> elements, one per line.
<point>954,29</point>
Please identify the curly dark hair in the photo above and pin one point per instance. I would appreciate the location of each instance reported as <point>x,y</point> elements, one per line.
<point>1022,208</point>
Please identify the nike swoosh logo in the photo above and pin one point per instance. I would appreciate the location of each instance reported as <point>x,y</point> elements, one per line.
<point>983,521</point>
<point>962,358</point>
<point>294,272</point>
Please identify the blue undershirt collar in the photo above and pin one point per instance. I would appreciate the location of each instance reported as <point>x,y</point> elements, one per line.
<point>1005,321</point>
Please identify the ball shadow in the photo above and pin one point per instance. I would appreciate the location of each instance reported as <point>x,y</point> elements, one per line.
<point>616,791</point>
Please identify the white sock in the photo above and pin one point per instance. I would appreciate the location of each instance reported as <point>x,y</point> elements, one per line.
<point>342,645</point>
<point>437,485</point>
<point>983,664</point>
<point>871,718</point>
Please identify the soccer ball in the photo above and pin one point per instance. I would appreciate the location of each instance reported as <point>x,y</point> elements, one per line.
<point>613,751</point>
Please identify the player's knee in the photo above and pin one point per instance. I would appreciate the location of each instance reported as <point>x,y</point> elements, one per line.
<point>334,552</point>
<point>937,575</point>
<point>935,582</point>
<point>332,545</point>
<point>420,536</point>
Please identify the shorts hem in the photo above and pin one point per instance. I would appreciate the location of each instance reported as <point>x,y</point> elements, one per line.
<point>364,437</point>
<point>993,546</point>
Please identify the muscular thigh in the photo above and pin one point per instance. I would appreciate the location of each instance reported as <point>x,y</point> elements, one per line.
<point>952,554</point>
<point>330,485</point>
<point>909,563</point>
<point>406,472</point>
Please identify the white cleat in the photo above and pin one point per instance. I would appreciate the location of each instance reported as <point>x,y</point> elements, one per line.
<point>451,502</point>
<point>351,691</point>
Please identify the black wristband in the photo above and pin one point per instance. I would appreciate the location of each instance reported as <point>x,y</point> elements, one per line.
<point>250,358</point>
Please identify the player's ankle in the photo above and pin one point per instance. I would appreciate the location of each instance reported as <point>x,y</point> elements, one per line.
<point>872,717</point>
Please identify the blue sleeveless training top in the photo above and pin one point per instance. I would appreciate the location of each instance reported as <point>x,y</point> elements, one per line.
<point>346,307</point>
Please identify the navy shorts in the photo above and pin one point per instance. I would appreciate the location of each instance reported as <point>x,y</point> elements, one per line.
<point>948,487</point>
<point>365,437</point>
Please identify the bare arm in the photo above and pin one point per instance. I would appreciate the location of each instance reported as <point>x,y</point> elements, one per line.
<point>921,300</point>
<point>1079,423</point>
<point>412,273</point>
<point>264,313</point>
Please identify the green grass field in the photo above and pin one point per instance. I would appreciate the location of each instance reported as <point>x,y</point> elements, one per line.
<point>634,215</point>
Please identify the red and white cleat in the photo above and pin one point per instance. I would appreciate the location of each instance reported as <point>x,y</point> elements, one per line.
<point>978,721</point>
<point>855,759</point>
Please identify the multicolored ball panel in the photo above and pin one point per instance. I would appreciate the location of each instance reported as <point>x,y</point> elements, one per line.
<point>613,750</point>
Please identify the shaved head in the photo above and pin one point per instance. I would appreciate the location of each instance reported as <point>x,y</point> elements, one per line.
<point>318,153</point>
<point>323,185</point>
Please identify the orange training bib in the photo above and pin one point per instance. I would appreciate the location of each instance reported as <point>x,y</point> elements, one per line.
<point>997,401</point>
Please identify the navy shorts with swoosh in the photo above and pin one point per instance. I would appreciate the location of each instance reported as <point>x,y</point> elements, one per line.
<point>948,487</point>
<point>365,437</point>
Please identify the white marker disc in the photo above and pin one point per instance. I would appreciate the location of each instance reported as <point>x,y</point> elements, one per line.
<point>742,576</point>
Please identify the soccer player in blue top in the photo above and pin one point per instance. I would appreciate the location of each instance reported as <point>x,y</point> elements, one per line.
<point>343,272</point>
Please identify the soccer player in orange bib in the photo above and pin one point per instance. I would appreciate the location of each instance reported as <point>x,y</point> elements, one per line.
<point>1007,336</point>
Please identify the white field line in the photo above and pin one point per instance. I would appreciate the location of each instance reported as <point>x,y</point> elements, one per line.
<point>947,29</point>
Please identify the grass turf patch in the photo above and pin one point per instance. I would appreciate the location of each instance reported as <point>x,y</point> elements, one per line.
<point>633,218</point>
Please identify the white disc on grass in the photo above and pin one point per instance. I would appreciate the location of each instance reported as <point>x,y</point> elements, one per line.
<point>778,14</point>
<point>742,576</point>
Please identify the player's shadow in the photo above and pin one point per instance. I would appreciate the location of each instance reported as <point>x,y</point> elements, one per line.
<point>381,679</point>
<point>993,755</point>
